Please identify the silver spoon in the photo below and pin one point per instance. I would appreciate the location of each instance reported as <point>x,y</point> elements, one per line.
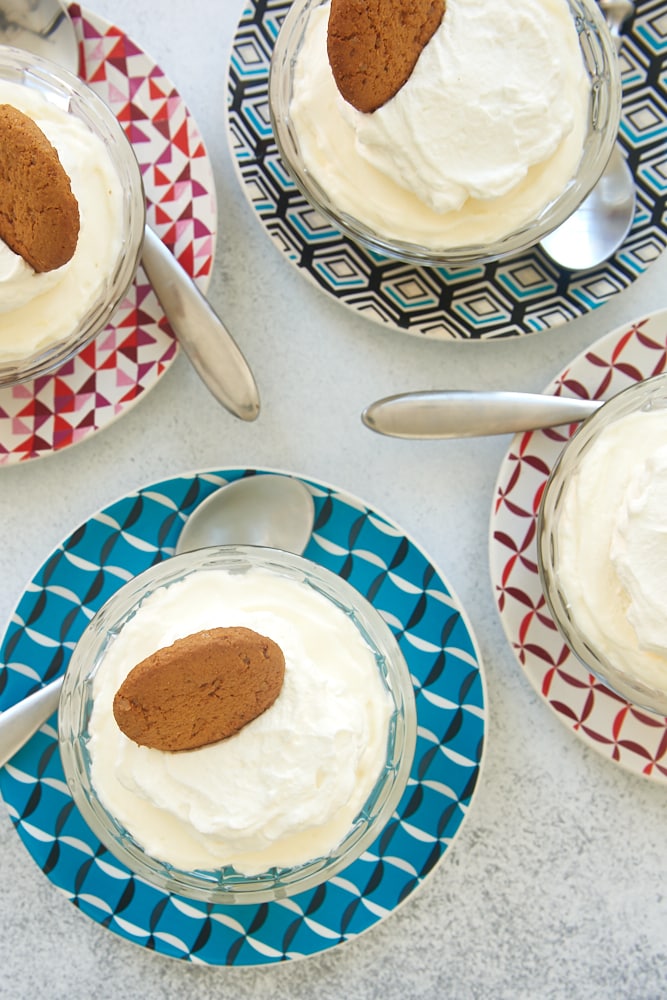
<point>598,227</point>
<point>443,413</point>
<point>42,28</point>
<point>270,510</point>
<point>45,28</point>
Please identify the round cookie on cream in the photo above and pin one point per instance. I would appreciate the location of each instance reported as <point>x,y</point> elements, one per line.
<point>373,46</point>
<point>39,215</point>
<point>40,307</point>
<point>203,688</point>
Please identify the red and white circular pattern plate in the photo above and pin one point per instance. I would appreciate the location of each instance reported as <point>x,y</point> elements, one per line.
<point>635,739</point>
<point>128,358</point>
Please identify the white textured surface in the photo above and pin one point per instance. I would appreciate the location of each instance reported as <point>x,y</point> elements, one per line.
<point>555,887</point>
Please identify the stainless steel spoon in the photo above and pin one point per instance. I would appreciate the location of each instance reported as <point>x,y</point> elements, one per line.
<point>598,227</point>
<point>213,352</point>
<point>271,510</point>
<point>42,28</point>
<point>45,28</point>
<point>443,413</point>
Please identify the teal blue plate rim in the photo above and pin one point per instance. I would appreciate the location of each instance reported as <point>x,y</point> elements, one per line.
<point>379,559</point>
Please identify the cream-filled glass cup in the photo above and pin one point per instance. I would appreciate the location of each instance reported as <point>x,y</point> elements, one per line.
<point>47,317</point>
<point>503,127</point>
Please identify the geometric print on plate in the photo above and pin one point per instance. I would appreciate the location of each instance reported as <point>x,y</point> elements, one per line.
<point>135,349</point>
<point>635,739</point>
<point>518,296</point>
<point>371,552</point>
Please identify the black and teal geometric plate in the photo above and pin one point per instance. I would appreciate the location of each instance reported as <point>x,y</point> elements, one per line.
<point>518,296</point>
<point>378,559</point>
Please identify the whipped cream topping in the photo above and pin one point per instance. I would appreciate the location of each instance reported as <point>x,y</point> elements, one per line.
<point>287,787</point>
<point>488,129</point>
<point>38,310</point>
<point>639,550</point>
<point>19,283</point>
<point>612,545</point>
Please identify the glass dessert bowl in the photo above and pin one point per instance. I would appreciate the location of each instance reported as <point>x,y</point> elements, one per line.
<point>290,764</point>
<point>367,200</point>
<point>601,537</point>
<point>46,318</point>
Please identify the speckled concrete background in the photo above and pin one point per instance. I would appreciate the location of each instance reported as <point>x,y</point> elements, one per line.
<point>556,886</point>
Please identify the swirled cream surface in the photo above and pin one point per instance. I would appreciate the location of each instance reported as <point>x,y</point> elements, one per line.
<point>38,310</point>
<point>287,787</point>
<point>488,129</point>
<point>612,545</point>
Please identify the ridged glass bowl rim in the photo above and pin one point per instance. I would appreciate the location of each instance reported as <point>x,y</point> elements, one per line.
<point>646,394</point>
<point>599,53</point>
<point>69,93</point>
<point>224,885</point>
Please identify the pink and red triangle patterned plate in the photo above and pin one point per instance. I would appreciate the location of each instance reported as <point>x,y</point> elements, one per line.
<point>129,357</point>
<point>635,739</point>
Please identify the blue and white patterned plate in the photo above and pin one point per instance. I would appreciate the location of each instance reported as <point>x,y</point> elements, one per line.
<point>378,559</point>
<point>518,296</point>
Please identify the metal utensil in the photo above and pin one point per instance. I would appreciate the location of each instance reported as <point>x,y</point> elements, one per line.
<point>45,28</point>
<point>454,413</point>
<point>18,723</point>
<point>213,352</point>
<point>275,511</point>
<point>598,227</point>
<point>40,27</point>
<point>272,510</point>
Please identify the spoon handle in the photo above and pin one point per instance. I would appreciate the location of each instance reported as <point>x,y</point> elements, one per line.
<point>462,413</point>
<point>18,723</point>
<point>210,347</point>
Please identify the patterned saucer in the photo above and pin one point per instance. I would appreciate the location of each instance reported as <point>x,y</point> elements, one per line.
<point>362,546</point>
<point>129,357</point>
<point>476,302</point>
<point>635,739</point>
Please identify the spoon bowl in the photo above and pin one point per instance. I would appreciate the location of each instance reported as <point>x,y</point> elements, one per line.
<point>599,226</point>
<point>269,510</point>
<point>594,232</point>
<point>45,29</point>
<point>273,511</point>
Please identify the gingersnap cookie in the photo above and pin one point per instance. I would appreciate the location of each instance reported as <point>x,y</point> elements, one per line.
<point>39,215</point>
<point>373,45</point>
<point>201,689</point>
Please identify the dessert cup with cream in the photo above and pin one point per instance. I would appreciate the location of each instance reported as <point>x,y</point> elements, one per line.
<point>46,318</point>
<point>602,544</point>
<point>295,796</point>
<point>504,126</point>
